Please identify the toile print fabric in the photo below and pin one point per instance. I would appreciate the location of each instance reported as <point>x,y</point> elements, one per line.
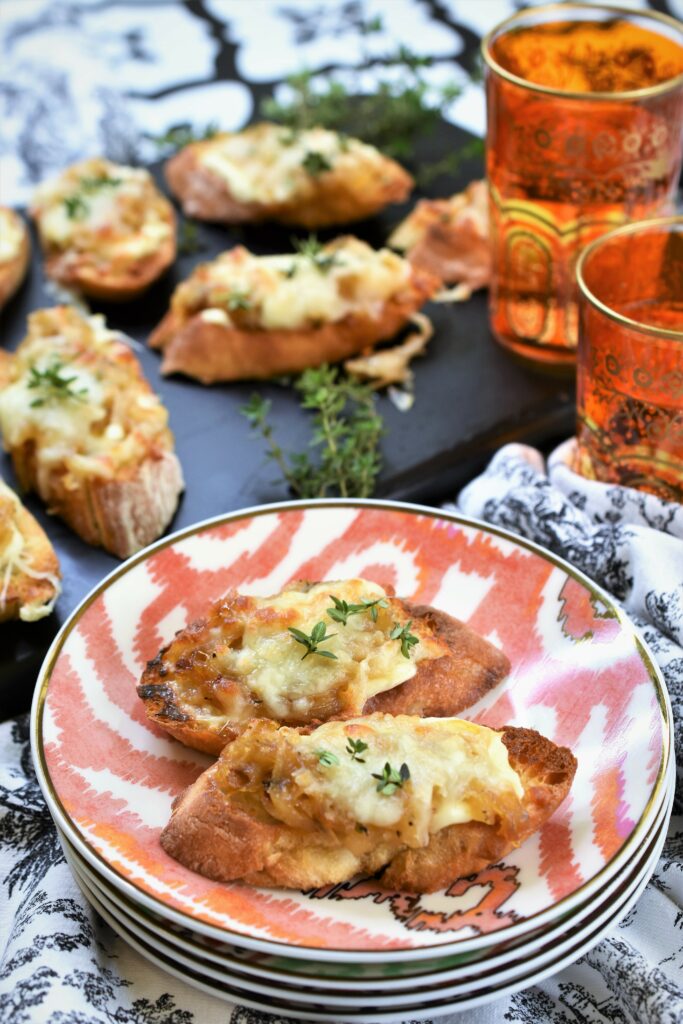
<point>62,965</point>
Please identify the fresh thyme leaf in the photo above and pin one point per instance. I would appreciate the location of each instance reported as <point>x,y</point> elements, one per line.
<point>53,385</point>
<point>315,163</point>
<point>346,431</point>
<point>403,634</point>
<point>390,780</point>
<point>181,135</point>
<point>93,184</point>
<point>326,758</point>
<point>342,610</point>
<point>314,251</point>
<point>188,238</point>
<point>238,300</point>
<point>319,635</point>
<point>354,748</point>
<point>76,207</point>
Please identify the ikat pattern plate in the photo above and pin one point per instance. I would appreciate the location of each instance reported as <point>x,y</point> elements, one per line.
<point>580,675</point>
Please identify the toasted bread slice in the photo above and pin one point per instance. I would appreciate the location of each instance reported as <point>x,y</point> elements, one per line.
<point>312,178</point>
<point>450,237</point>
<point>29,568</point>
<point>244,316</point>
<point>105,229</point>
<point>431,800</point>
<point>15,251</point>
<point>243,662</point>
<point>87,433</point>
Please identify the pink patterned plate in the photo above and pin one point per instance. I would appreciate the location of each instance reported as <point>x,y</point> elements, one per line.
<point>580,675</point>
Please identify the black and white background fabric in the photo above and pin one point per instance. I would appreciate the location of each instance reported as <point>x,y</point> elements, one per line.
<point>79,77</point>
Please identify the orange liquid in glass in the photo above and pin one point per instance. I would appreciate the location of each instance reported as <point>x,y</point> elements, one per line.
<point>629,379</point>
<point>564,170</point>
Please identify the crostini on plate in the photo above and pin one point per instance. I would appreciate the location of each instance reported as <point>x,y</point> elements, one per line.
<point>86,431</point>
<point>450,237</point>
<point>366,651</point>
<point>432,800</point>
<point>29,568</point>
<point>313,178</point>
<point>244,316</point>
<point>15,252</point>
<point>105,229</point>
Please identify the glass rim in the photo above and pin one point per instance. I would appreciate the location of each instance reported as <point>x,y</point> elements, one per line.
<point>658,17</point>
<point>587,294</point>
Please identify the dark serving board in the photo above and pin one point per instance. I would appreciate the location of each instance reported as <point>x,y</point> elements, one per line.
<point>471,397</point>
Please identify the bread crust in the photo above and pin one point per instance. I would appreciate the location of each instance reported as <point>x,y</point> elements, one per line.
<point>122,514</point>
<point>335,197</point>
<point>120,503</point>
<point>13,271</point>
<point>31,590</point>
<point>83,271</point>
<point>211,352</point>
<point>209,834</point>
<point>441,687</point>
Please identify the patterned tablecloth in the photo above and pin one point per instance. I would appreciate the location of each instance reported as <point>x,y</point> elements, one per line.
<point>85,76</point>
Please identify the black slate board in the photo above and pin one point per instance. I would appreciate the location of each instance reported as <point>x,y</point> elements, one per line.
<point>471,397</point>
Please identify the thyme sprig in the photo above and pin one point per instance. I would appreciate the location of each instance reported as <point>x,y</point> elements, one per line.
<point>76,206</point>
<point>318,635</point>
<point>346,431</point>
<point>181,135</point>
<point>401,109</point>
<point>402,633</point>
<point>315,163</point>
<point>53,385</point>
<point>326,757</point>
<point>342,609</point>
<point>355,748</point>
<point>314,251</point>
<point>390,780</point>
<point>188,238</point>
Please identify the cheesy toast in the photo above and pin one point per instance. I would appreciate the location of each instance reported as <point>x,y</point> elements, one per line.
<point>246,659</point>
<point>450,237</point>
<point>87,433</point>
<point>15,251</point>
<point>312,178</point>
<point>245,316</point>
<point>29,569</point>
<point>105,229</point>
<point>428,800</point>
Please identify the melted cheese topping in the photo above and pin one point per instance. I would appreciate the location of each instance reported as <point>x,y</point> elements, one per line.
<point>291,685</point>
<point>12,233</point>
<point>101,206</point>
<point>458,772</point>
<point>291,291</point>
<point>270,164</point>
<point>105,417</point>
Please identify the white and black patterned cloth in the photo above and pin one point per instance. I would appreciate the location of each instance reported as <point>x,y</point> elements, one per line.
<point>62,965</point>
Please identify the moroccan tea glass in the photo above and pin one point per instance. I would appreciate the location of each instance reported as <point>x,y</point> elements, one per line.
<point>630,358</point>
<point>585,132</point>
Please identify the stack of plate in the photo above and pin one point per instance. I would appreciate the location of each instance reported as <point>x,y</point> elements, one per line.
<point>355,952</point>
